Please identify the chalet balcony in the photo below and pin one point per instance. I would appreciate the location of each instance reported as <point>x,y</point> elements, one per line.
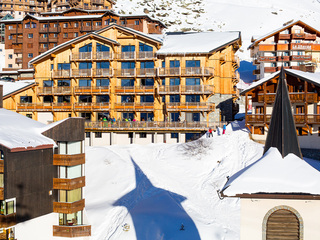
<point>151,125</point>
<point>43,39</point>
<point>68,208</point>
<point>90,28</point>
<point>267,47</point>
<point>94,90</point>
<point>17,41</point>
<point>295,97</point>
<point>153,29</point>
<point>143,55</point>
<point>134,90</point>
<point>62,3</point>
<point>310,37</point>
<point>18,60</point>
<point>126,56</point>
<point>131,106</point>
<point>189,71</point>
<point>61,73</point>
<point>258,119</point>
<point>268,59</point>
<point>1,166</point>
<point>186,89</point>
<point>43,49</point>
<point>284,36</point>
<point>8,220</point>
<point>69,184</point>
<point>256,71</point>
<point>15,31</point>
<point>300,46</point>
<point>283,58</point>
<point>42,91</point>
<point>301,58</point>
<point>125,72</point>
<point>50,30</point>
<point>81,72</point>
<point>81,56</point>
<point>298,36</point>
<point>103,55</point>
<point>90,106</point>
<point>236,61</point>
<point>68,160</point>
<point>190,106</point>
<point>44,107</point>
<point>282,46</point>
<point>289,67</point>
<point>169,71</point>
<point>97,2</point>
<point>72,231</point>
<point>146,72</point>
<point>103,72</point>
<point>270,69</point>
<point>53,39</point>
<point>1,193</point>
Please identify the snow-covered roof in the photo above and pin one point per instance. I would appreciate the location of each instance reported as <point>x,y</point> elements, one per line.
<point>274,174</point>
<point>306,76</point>
<point>11,87</point>
<point>202,42</point>
<point>18,131</point>
<point>62,18</point>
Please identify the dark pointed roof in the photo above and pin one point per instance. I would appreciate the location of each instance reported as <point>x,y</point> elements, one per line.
<point>282,131</point>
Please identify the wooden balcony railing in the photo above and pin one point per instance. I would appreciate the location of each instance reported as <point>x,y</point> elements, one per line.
<point>236,61</point>
<point>68,208</point>
<point>81,72</point>
<point>44,107</point>
<point>54,91</point>
<point>146,72</point>
<point>151,125</point>
<point>300,46</point>
<point>50,30</point>
<point>1,166</point>
<point>72,231</point>
<point>310,37</point>
<point>103,55</point>
<point>190,106</point>
<point>100,2</point>
<point>103,72</point>
<point>283,58</point>
<point>189,71</point>
<point>284,36</point>
<point>129,90</point>
<point>61,73</point>
<point>126,55</point>
<point>69,184</point>
<point>146,55</point>
<point>267,47</point>
<point>1,193</point>
<point>301,58</point>
<point>298,118</point>
<point>282,46</point>
<point>91,90</point>
<point>268,59</point>
<point>256,71</point>
<point>81,56</point>
<point>18,60</point>
<point>131,106</point>
<point>186,89</point>
<point>15,30</point>
<point>89,106</point>
<point>125,72</point>
<point>8,220</point>
<point>294,97</point>
<point>270,69</point>
<point>68,160</point>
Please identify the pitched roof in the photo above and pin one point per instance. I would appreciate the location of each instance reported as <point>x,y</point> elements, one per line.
<point>282,131</point>
<point>199,42</point>
<point>10,88</point>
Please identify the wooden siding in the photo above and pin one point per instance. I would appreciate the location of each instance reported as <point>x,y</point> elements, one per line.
<point>68,160</point>
<point>72,231</point>
<point>68,208</point>
<point>68,184</point>
<point>283,224</point>
<point>7,220</point>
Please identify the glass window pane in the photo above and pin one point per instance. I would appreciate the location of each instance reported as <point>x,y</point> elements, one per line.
<point>74,147</point>
<point>62,196</point>
<point>74,171</point>
<point>10,207</point>
<point>62,148</point>
<point>103,82</point>
<point>74,195</point>
<point>62,172</point>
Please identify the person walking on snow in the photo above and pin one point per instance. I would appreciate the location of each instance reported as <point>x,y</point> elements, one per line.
<point>224,129</point>
<point>210,132</point>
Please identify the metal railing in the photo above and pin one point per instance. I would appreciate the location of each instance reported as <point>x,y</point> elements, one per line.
<point>186,89</point>
<point>61,73</point>
<point>134,106</point>
<point>146,72</point>
<point>54,90</point>
<point>91,90</point>
<point>103,55</point>
<point>146,55</point>
<point>103,72</point>
<point>134,90</point>
<point>190,106</point>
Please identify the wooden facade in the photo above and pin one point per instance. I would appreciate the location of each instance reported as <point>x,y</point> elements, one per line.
<point>295,44</point>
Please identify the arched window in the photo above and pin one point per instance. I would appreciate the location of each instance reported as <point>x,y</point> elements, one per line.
<point>282,222</point>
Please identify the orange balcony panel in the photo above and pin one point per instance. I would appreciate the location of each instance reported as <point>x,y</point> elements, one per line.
<point>68,208</point>
<point>1,166</point>
<point>310,36</point>
<point>69,184</point>
<point>281,47</point>
<point>284,36</point>
<point>1,194</point>
<point>301,58</point>
<point>283,58</point>
<point>270,69</point>
<point>7,220</point>
<point>268,59</point>
<point>68,160</point>
<point>300,46</point>
<point>72,231</point>
<point>316,47</point>
<point>266,47</point>
<point>298,36</point>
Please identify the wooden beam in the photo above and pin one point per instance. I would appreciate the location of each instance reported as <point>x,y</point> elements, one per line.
<point>305,102</point>
<point>52,55</point>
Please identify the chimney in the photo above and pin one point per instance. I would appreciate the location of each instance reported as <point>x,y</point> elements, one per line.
<point>1,96</point>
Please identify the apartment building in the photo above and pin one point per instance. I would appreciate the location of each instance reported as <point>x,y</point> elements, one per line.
<point>304,92</point>
<point>19,9</point>
<point>30,36</point>
<point>292,45</point>
<point>41,176</point>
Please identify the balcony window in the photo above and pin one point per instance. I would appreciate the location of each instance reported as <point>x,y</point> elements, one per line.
<point>192,81</point>
<point>102,115</point>
<point>127,99</point>
<point>64,83</point>
<point>88,24</point>
<point>33,25</point>
<point>103,99</point>
<point>193,98</point>
<point>64,99</point>
<point>86,116</point>
<point>127,82</point>
<point>65,35</point>
<point>145,48</point>
<point>76,25</point>
<point>103,65</point>
<point>85,99</point>
<point>146,116</point>
<point>10,37</point>
<point>86,48</point>
<point>30,55</point>
<point>147,82</point>
<point>26,99</point>
<point>136,22</point>
<point>84,83</point>
<point>174,117</point>
<point>147,98</point>
<point>7,207</point>
<point>128,65</point>
<point>175,98</point>
<point>70,172</point>
<point>76,34</point>
<point>70,147</point>
<point>192,117</point>
<point>285,53</point>
<point>63,66</point>
<point>30,35</point>
<point>102,48</point>
<point>48,99</point>
<point>98,24</point>
<point>192,63</point>
<point>103,82</point>
<point>127,115</point>
<point>174,63</point>
<point>65,25</point>
<point>128,48</point>
<point>44,35</point>
<point>109,21</point>
<point>1,155</point>
<point>148,64</point>
<point>1,180</point>
<point>27,25</point>
<point>72,219</point>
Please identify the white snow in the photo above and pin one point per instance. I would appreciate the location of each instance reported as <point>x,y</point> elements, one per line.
<point>274,174</point>
<point>203,42</point>
<point>11,87</point>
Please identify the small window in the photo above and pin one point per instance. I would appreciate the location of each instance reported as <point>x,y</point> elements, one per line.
<point>76,34</point>
<point>10,37</point>
<point>9,65</point>
<point>65,25</point>
<point>10,56</point>
<point>174,135</point>
<point>30,35</point>
<point>98,135</point>
<point>76,24</point>
<point>143,135</point>
<point>87,134</point>
<point>30,55</point>
<point>136,22</point>
<point>88,24</point>
<point>29,115</point>
<point>10,27</point>
<point>65,35</point>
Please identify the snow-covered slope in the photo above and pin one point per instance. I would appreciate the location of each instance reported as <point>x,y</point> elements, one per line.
<point>148,192</point>
<point>251,17</point>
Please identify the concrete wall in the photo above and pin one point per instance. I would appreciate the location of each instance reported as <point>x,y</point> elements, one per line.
<point>253,212</point>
